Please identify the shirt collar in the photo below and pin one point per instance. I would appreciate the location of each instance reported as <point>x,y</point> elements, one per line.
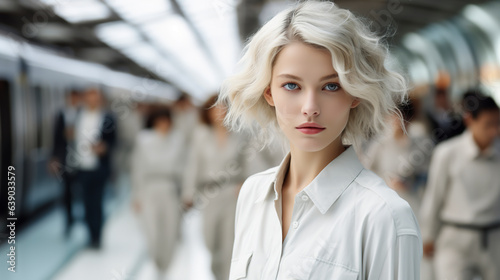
<point>327,186</point>
<point>277,175</point>
<point>471,149</point>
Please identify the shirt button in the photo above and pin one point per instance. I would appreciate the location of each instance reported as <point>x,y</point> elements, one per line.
<point>305,197</point>
<point>295,224</point>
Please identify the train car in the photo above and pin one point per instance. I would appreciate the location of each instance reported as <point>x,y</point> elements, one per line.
<point>33,86</point>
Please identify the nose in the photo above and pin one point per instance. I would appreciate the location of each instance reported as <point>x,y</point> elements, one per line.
<point>311,106</point>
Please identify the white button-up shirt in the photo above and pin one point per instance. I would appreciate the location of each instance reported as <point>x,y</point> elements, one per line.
<point>463,186</point>
<point>346,224</point>
<point>88,131</point>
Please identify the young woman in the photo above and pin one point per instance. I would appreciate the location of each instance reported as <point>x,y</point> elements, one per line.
<point>316,74</point>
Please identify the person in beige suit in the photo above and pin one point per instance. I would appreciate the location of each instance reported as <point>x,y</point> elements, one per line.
<point>156,175</point>
<point>215,172</point>
<point>460,211</point>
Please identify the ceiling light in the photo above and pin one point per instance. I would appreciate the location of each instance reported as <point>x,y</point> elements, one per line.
<point>117,34</point>
<point>78,11</point>
<point>140,11</point>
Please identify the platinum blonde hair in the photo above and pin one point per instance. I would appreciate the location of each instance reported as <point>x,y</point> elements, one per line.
<point>358,56</point>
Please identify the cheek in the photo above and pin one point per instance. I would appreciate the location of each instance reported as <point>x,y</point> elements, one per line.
<point>284,117</point>
<point>287,107</point>
<point>480,132</point>
<point>336,109</point>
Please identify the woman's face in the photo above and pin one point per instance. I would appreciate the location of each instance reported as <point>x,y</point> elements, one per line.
<point>312,109</point>
<point>162,124</point>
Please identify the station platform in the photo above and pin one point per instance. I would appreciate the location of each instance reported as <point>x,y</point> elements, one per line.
<point>44,252</point>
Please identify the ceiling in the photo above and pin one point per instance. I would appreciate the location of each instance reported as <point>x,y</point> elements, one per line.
<point>192,44</point>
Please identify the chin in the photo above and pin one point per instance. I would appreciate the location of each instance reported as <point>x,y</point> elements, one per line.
<point>310,145</point>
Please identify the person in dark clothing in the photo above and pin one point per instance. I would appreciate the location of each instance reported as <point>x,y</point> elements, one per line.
<point>63,142</point>
<point>444,122</point>
<point>95,136</point>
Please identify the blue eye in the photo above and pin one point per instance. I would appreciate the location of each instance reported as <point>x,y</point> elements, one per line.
<point>290,86</point>
<point>332,87</point>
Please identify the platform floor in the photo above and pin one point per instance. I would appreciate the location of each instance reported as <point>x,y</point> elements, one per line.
<point>43,252</point>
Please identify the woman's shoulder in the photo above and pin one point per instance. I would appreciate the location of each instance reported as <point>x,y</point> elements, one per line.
<point>257,184</point>
<point>382,205</point>
<point>266,175</point>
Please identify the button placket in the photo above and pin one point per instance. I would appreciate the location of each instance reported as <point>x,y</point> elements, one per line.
<point>298,209</point>
<point>271,268</point>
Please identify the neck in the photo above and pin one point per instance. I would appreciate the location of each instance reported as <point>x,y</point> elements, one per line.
<point>482,146</point>
<point>220,128</point>
<point>305,166</point>
<point>162,131</point>
<point>92,108</point>
<point>399,133</point>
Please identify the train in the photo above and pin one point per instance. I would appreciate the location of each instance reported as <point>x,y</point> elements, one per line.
<point>34,82</point>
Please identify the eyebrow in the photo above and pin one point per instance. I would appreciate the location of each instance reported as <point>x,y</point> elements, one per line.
<point>299,79</point>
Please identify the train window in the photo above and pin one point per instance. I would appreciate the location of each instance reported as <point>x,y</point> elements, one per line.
<point>47,116</point>
<point>5,124</point>
<point>38,105</point>
<point>6,135</point>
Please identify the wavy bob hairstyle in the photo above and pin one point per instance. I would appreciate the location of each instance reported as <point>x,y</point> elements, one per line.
<point>358,55</point>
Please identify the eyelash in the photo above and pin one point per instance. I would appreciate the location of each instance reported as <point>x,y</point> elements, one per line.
<point>290,83</point>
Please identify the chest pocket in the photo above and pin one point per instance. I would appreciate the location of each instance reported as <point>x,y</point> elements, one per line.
<point>312,269</point>
<point>324,270</point>
<point>239,266</point>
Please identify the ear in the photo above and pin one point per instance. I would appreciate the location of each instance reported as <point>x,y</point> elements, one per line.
<point>355,103</point>
<point>268,96</point>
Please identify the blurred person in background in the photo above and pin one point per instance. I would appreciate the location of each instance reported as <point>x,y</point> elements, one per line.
<point>185,116</point>
<point>215,171</point>
<point>461,207</point>
<point>444,122</point>
<point>186,119</point>
<point>64,143</point>
<point>156,173</point>
<point>130,121</point>
<point>260,158</point>
<point>399,158</point>
<point>95,134</point>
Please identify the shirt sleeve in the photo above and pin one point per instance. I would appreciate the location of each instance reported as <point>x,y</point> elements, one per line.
<point>401,261</point>
<point>434,196</point>
<point>392,247</point>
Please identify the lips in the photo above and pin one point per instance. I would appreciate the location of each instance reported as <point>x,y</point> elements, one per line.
<point>310,128</point>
